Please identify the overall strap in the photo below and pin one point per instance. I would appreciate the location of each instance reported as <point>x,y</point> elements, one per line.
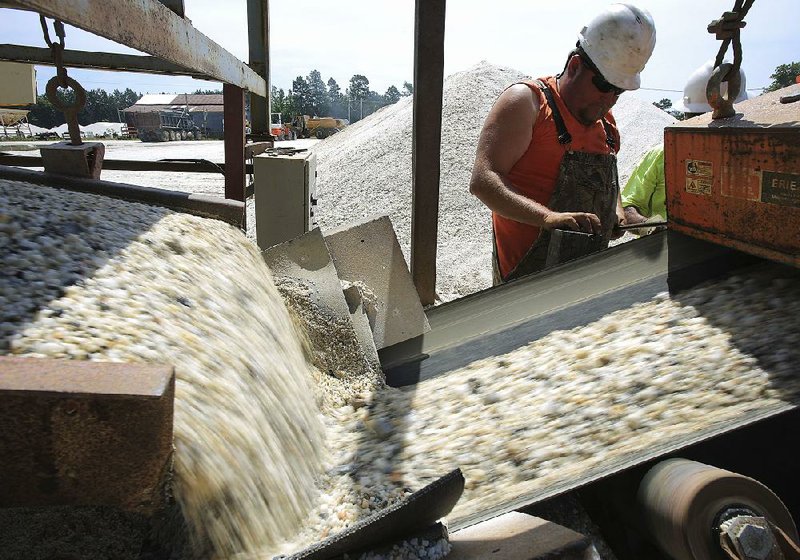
<point>564,137</point>
<point>609,136</point>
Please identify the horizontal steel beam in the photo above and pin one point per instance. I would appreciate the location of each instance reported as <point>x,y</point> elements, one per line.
<point>231,211</point>
<point>149,26</point>
<point>188,166</point>
<point>97,61</point>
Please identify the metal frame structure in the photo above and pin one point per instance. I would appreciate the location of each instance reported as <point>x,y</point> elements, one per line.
<point>176,47</point>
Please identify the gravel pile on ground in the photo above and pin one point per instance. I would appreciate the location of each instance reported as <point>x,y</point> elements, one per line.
<point>366,170</point>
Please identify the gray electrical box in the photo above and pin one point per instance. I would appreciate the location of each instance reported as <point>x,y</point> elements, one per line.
<point>285,195</point>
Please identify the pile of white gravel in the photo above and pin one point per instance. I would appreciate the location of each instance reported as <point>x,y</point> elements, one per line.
<point>366,170</point>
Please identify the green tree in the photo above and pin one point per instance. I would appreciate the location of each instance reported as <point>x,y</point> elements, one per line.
<point>123,99</point>
<point>44,114</point>
<point>359,87</point>
<point>357,95</point>
<point>337,100</point>
<point>279,102</point>
<point>392,95</point>
<point>318,94</point>
<point>301,95</point>
<point>784,75</point>
<point>98,108</point>
<point>664,104</point>
<point>408,89</point>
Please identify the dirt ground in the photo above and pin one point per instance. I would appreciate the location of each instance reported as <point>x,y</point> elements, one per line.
<point>211,184</point>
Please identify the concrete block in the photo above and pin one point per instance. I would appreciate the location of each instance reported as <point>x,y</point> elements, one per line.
<point>84,160</point>
<point>367,254</point>
<point>518,536</point>
<point>85,433</point>
<point>306,257</point>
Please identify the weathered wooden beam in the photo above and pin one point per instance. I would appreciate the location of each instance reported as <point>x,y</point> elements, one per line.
<point>97,61</point>
<point>151,27</point>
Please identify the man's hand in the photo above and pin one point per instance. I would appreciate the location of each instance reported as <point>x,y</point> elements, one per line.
<point>632,215</point>
<point>616,233</point>
<point>575,221</point>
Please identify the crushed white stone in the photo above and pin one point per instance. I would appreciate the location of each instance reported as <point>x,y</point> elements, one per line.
<point>366,169</point>
<point>90,281</point>
<point>87,277</point>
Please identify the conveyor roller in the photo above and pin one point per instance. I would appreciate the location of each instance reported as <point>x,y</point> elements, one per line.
<point>683,503</point>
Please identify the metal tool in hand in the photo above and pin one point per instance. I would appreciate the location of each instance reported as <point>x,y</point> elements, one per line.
<point>642,225</point>
<point>62,80</point>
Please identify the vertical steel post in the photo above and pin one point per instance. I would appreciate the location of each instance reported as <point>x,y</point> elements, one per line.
<point>258,36</point>
<point>426,143</point>
<point>233,99</point>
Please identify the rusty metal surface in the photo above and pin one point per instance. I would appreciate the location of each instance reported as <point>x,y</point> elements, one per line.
<point>74,377</point>
<point>96,61</point>
<point>70,438</point>
<point>149,26</point>
<point>691,229</point>
<point>234,142</point>
<point>231,211</point>
<point>739,187</point>
<point>426,143</point>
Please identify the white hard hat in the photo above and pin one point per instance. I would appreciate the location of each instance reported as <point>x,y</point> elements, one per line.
<point>619,41</point>
<point>694,93</point>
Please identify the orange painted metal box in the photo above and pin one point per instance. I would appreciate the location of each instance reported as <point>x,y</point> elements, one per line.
<point>736,181</point>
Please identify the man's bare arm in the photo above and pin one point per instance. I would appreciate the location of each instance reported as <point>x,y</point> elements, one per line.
<point>504,139</point>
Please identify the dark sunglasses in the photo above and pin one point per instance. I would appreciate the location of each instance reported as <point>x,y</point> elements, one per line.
<point>602,85</point>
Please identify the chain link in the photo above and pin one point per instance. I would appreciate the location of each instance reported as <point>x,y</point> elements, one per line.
<point>728,30</point>
<point>62,80</point>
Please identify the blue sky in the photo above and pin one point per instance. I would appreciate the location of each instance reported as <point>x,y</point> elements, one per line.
<point>375,38</point>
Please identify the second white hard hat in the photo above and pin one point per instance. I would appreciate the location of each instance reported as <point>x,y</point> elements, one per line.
<point>694,93</point>
<point>620,41</point>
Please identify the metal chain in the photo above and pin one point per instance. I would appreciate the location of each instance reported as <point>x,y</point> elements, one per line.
<point>62,80</point>
<point>728,30</point>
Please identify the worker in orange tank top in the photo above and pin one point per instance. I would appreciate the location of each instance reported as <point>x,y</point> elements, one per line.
<point>546,156</point>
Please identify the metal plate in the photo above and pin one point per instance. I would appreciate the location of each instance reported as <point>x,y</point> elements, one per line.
<point>420,510</point>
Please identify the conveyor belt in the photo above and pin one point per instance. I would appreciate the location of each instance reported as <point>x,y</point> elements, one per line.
<point>507,317</point>
<point>516,502</point>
